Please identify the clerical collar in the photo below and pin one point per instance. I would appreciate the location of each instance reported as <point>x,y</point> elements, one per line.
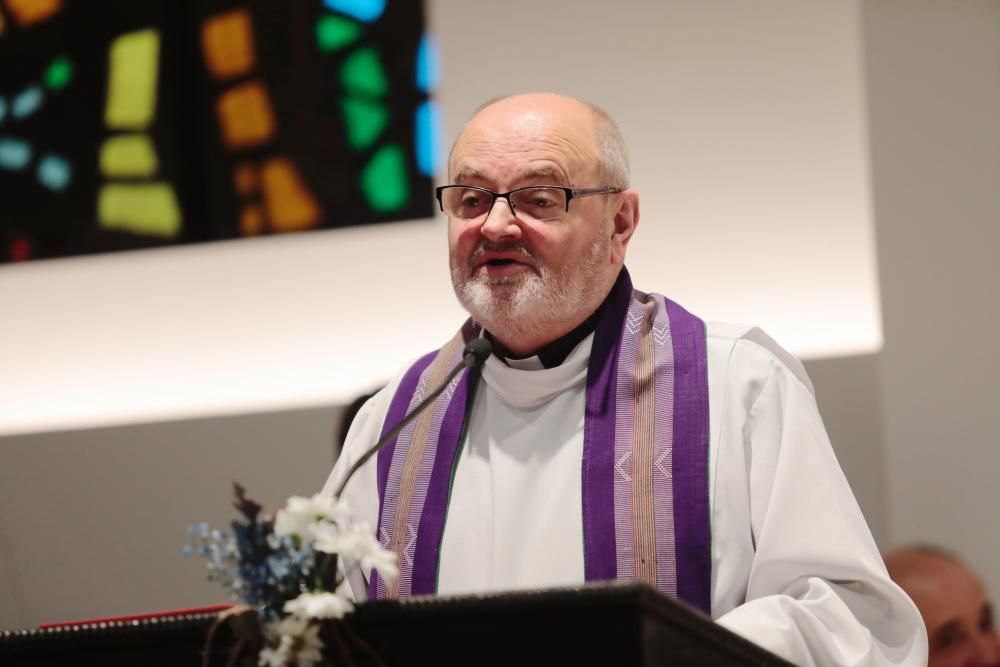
<point>555,353</point>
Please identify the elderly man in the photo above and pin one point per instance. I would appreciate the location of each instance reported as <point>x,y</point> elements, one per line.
<point>612,434</point>
<point>953,603</point>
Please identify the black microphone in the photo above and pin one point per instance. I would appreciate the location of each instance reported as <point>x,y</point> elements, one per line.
<point>475,354</point>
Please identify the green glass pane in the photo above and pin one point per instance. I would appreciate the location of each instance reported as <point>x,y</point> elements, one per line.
<point>365,121</point>
<point>59,73</point>
<point>334,32</point>
<point>383,180</point>
<point>362,74</point>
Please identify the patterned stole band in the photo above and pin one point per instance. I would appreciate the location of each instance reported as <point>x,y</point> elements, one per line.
<point>645,454</point>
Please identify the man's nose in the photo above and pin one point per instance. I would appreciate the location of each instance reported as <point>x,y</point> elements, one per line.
<point>501,223</point>
<point>987,651</point>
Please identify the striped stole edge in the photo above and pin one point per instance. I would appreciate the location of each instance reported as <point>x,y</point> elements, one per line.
<point>693,528</point>
<point>412,497</point>
<point>646,449</point>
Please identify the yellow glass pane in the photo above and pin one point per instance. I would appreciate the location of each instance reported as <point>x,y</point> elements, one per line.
<point>148,209</point>
<point>227,42</point>
<point>245,115</point>
<point>128,155</point>
<point>134,61</point>
<point>290,205</point>
<point>251,220</point>
<point>27,12</point>
<point>245,179</point>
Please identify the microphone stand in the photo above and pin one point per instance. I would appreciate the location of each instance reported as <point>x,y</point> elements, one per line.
<point>477,351</point>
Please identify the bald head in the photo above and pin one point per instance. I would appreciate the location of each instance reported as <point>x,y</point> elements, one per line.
<point>952,602</point>
<point>585,120</point>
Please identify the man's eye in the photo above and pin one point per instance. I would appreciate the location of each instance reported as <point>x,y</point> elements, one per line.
<point>471,202</point>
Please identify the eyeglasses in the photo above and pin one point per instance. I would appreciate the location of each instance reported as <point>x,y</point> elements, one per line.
<point>533,203</point>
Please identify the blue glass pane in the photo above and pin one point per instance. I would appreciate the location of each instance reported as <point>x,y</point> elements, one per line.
<point>427,137</point>
<point>427,64</point>
<point>54,172</point>
<point>362,10</point>
<point>27,102</point>
<point>15,154</point>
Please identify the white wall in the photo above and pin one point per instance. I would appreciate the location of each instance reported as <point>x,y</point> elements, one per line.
<point>933,78</point>
<point>747,132</point>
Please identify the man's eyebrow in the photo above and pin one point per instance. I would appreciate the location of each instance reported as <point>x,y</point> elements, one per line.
<point>467,174</point>
<point>946,629</point>
<point>539,173</point>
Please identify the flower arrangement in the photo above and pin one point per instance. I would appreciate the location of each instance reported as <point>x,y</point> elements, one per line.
<point>288,567</point>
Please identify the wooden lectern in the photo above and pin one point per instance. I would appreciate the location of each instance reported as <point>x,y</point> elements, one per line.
<point>598,624</point>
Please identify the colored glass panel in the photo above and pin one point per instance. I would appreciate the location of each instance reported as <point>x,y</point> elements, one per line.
<point>362,10</point>
<point>362,74</point>
<point>245,115</point>
<point>20,250</point>
<point>148,209</point>
<point>245,179</point>
<point>54,172</point>
<point>28,12</point>
<point>27,102</point>
<point>428,71</point>
<point>251,220</point>
<point>383,180</point>
<point>365,121</point>
<point>426,137</point>
<point>59,73</point>
<point>290,205</point>
<point>227,41</point>
<point>3,109</point>
<point>3,25</point>
<point>128,155</point>
<point>134,60</point>
<point>335,32</point>
<point>15,154</point>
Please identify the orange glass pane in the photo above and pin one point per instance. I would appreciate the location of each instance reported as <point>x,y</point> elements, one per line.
<point>290,205</point>
<point>28,12</point>
<point>251,220</point>
<point>227,42</point>
<point>245,115</point>
<point>245,179</point>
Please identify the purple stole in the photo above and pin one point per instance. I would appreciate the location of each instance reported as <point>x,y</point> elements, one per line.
<point>645,454</point>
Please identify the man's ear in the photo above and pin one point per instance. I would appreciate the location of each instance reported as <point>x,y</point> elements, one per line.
<point>625,220</point>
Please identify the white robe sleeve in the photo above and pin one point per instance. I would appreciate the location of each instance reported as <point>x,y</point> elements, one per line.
<point>816,592</point>
<point>361,492</point>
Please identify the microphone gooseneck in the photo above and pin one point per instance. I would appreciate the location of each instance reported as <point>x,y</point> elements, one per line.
<point>475,354</point>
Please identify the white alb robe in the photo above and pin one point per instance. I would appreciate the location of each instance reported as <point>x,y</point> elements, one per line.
<point>794,566</point>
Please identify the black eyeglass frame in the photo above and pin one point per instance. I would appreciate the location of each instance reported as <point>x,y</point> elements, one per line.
<point>571,193</point>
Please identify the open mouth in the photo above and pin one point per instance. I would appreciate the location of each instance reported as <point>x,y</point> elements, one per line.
<point>500,262</point>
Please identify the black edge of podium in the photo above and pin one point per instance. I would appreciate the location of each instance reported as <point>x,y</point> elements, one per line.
<point>597,624</point>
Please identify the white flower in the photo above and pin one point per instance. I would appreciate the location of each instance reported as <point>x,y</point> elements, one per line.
<point>276,657</point>
<point>293,626</point>
<point>318,605</point>
<point>357,543</point>
<point>299,513</point>
<point>351,542</point>
<point>382,560</point>
<point>309,651</point>
<point>296,640</point>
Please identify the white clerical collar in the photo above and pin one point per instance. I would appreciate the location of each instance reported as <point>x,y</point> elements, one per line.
<point>526,383</point>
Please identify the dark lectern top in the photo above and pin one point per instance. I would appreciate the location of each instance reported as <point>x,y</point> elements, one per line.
<point>597,624</point>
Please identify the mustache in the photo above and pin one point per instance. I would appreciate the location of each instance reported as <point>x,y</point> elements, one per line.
<point>491,246</point>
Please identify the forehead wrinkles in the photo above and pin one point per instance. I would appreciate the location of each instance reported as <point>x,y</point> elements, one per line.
<point>505,150</point>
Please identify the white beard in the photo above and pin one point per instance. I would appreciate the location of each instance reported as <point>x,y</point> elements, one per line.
<point>535,304</point>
